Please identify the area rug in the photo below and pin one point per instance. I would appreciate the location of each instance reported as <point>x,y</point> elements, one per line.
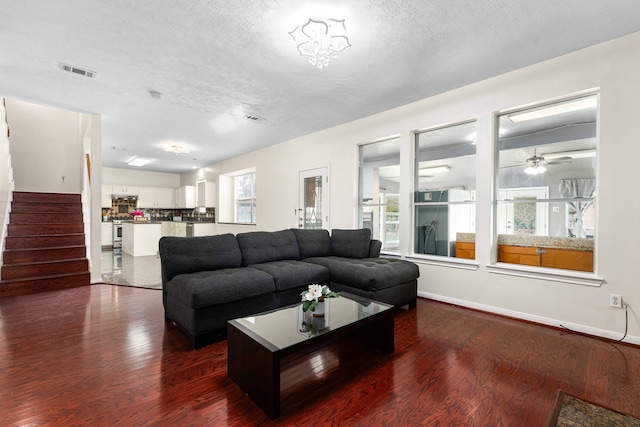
<point>573,412</point>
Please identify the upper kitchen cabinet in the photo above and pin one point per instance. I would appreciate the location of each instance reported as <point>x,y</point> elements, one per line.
<point>105,199</point>
<point>206,194</point>
<point>186,197</point>
<point>124,190</point>
<point>155,197</point>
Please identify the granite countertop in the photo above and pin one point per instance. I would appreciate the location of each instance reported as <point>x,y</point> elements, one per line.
<point>572,243</point>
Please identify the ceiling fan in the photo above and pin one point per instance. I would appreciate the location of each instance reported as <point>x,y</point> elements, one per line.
<point>537,164</point>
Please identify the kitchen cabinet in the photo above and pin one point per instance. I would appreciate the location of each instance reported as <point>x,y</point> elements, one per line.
<point>155,197</point>
<point>106,234</point>
<point>465,250</point>
<point>174,229</point>
<point>204,229</point>
<point>105,197</point>
<point>568,259</point>
<point>186,197</point>
<point>124,190</point>
<point>140,239</point>
<point>206,194</point>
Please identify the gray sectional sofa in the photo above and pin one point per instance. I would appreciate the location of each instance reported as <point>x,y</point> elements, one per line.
<point>209,280</point>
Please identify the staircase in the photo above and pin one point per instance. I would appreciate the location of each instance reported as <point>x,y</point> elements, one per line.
<point>45,244</point>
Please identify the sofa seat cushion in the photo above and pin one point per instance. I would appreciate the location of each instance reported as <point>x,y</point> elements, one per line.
<point>264,246</point>
<point>208,288</point>
<point>369,274</point>
<point>290,274</point>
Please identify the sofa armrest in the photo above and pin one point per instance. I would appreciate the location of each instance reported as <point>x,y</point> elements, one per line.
<point>374,248</point>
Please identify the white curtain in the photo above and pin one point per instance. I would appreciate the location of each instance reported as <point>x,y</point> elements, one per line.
<point>578,188</point>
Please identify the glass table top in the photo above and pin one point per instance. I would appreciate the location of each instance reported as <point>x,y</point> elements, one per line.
<point>290,325</point>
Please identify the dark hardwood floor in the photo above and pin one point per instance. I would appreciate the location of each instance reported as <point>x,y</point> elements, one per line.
<point>102,355</point>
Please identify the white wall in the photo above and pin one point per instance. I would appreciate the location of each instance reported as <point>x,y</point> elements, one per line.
<point>141,178</point>
<point>612,67</point>
<point>46,148</point>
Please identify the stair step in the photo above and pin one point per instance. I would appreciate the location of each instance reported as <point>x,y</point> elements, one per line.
<point>22,230</point>
<point>45,207</point>
<point>31,255</point>
<point>48,283</point>
<point>45,244</point>
<point>45,218</point>
<point>25,196</point>
<point>44,241</point>
<point>43,269</point>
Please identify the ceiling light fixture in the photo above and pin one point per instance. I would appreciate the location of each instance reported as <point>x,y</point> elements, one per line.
<point>436,169</point>
<point>552,110</point>
<point>536,166</point>
<point>321,39</point>
<point>177,149</point>
<point>428,172</point>
<point>139,161</point>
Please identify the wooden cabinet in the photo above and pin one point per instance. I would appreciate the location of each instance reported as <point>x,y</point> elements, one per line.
<point>567,259</point>
<point>465,250</point>
<point>155,197</point>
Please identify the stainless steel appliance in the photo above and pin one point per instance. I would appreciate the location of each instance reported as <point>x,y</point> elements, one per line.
<point>117,235</point>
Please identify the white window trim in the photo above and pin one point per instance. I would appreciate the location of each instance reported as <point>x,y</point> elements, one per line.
<point>552,274</point>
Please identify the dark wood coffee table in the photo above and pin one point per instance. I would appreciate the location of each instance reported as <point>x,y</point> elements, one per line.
<point>257,345</point>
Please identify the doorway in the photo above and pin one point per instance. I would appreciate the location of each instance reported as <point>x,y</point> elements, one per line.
<point>313,201</point>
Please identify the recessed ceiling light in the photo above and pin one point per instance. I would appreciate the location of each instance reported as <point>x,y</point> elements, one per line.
<point>139,161</point>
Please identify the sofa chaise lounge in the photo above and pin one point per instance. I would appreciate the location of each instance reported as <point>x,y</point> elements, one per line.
<point>209,280</point>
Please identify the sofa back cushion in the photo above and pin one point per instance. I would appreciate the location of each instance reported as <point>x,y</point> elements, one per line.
<point>313,243</point>
<point>351,243</point>
<point>179,255</point>
<point>265,246</point>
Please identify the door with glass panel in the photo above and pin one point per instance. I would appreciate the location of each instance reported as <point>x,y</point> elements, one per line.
<point>313,211</point>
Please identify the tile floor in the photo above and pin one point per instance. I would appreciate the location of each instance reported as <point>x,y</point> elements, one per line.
<point>124,269</point>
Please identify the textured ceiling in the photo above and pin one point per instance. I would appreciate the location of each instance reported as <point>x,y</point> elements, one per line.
<point>216,61</point>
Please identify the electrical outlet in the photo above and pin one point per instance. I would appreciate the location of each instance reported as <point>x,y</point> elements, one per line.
<point>615,300</point>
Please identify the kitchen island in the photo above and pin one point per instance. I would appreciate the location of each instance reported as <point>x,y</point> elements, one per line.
<point>141,238</point>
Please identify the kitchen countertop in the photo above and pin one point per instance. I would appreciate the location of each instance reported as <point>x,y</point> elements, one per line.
<point>572,243</point>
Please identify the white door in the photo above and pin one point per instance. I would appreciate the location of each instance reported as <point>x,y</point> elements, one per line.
<point>313,201</point>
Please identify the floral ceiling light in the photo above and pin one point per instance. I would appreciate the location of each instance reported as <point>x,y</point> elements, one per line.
<point>321,39</point>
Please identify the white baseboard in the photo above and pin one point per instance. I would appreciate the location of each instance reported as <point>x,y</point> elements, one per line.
<point>533,318</point>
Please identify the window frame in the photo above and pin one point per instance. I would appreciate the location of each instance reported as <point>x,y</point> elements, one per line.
<point>588,278</point>
<point>470,199</point>
<point>248,201</point>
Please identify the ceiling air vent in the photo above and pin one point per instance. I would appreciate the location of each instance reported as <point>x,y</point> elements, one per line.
<point>76,70</point>
<point>253,118</point>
